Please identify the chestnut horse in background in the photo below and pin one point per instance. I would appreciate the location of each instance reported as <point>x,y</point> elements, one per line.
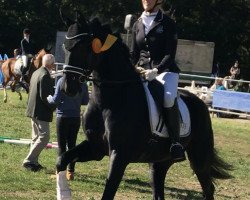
<point>9,73</point>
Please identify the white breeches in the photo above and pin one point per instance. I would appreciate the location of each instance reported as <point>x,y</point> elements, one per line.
<point>170,82</point>
<point>25,60</point>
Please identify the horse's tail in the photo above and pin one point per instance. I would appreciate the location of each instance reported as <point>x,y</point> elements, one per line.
<point>219,168</point>
<point>201,152</point>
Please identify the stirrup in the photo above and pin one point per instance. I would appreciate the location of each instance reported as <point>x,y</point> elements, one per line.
<point>176,144</point>
<point>177,152</point>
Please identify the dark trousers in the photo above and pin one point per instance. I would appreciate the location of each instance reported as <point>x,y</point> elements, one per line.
<point>67,130</point>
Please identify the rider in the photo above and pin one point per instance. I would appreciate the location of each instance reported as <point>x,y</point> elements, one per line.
<point>27,51</point>
<point>154,43</point>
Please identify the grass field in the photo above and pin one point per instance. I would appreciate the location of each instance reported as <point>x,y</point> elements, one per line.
<point>232,140</point>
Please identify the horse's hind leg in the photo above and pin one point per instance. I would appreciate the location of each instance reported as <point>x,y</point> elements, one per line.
<point>202,171</point>
<point>158,174</point>
<point>206,184</point>
<point>116,172</point>
<point>20,95</point>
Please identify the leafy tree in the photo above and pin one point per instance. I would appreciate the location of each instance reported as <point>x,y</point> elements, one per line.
<point>224,22</point>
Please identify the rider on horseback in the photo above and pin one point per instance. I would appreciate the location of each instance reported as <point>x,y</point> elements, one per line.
<point>154,43</point>
<point>27,51</point>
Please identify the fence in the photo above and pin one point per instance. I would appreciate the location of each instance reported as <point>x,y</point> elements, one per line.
<point>221,101</point>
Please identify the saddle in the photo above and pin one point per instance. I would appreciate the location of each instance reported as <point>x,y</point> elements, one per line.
<point>18,66</point>
<point>155,94</point>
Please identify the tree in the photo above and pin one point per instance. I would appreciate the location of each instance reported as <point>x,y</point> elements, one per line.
<point>226,23</point>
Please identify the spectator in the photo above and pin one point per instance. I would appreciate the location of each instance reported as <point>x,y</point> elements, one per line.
<point>40,111</point>
<point>235,70</point>
<point>216,70</point>
<point>68,119</point>
<point>218,84</point>
<point>17,53</point>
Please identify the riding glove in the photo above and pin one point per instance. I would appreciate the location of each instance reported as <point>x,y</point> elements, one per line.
<point>150,74</point>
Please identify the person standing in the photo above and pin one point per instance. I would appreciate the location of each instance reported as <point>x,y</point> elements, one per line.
<point>40,111</point>
<point>154,44</point>
<point>27,50</point>
<point>17,53</point>
<point>68,119</point>
<point>235,70</point>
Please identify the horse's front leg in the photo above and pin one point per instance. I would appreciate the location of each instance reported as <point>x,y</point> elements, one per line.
<point>80,153</point>
<point>158,174</point>
<point>116,171</point>
<point>5,95</point>
<point>83,152</point>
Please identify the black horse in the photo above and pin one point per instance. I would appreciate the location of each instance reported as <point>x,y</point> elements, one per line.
<point>117,120</point>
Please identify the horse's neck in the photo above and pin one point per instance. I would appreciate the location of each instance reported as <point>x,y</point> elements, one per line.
<point>115,69</point>
<point>37,62</point>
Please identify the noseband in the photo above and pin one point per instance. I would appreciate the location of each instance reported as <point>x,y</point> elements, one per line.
<point>74,69</point>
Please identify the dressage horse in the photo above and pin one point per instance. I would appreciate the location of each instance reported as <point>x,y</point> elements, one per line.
<point>116,120</point>
<point>10,74</point>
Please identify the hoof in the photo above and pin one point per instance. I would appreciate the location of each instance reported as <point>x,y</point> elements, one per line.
<point>70,176</point>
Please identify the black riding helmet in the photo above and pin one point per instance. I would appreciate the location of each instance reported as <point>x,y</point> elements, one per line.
<point>157,2</point>
<point>26,31</point>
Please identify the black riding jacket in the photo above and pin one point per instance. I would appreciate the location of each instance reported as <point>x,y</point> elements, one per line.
<point>158,47</point>
<point>27,47</point>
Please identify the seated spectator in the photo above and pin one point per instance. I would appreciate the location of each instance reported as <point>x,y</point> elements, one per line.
<point>241,87</point>
<point>218,85</point>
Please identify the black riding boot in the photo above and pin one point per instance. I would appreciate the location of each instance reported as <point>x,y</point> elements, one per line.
<point>24,73</point>
<point>172,120</point>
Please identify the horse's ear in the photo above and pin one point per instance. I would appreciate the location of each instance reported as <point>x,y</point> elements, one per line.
<point>67,21</point>
<point>80,19</point>
<point>48,48</point>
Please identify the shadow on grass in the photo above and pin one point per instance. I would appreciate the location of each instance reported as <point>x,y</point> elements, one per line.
<point>139,186</point>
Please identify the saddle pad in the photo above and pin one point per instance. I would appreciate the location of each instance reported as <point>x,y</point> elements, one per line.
<point>18,66</point>
<point>157,124</point>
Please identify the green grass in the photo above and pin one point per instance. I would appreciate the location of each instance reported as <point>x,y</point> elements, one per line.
<point>231,140</point>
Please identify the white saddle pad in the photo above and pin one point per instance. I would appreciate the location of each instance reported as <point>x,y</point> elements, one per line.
<point>157,124</point>
<point>18,66</point>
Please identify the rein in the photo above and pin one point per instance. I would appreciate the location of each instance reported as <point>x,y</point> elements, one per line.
<point>99,82</point>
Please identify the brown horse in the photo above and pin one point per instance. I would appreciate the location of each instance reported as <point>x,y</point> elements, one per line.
<point>9,73</point>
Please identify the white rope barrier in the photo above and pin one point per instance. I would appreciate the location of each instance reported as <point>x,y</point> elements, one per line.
<point>244,114</point>
<point>213,78</point>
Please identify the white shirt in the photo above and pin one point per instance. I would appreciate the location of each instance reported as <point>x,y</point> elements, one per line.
<point>26,38</point>
<point>147,20</point>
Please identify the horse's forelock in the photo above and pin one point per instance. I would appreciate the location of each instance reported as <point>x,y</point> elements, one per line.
<point>74,30</point>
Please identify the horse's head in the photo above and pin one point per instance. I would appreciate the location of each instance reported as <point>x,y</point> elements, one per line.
<point>37,61</point>
<point>84,43</point>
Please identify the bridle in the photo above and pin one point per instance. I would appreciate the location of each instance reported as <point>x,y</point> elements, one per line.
<point>85,73</point>
<point>76,36</point>
<point>74,69</point>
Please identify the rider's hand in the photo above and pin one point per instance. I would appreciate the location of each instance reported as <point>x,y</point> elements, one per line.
<point>150,74</point>
<point>50,99</point>
<point>139,69</point>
